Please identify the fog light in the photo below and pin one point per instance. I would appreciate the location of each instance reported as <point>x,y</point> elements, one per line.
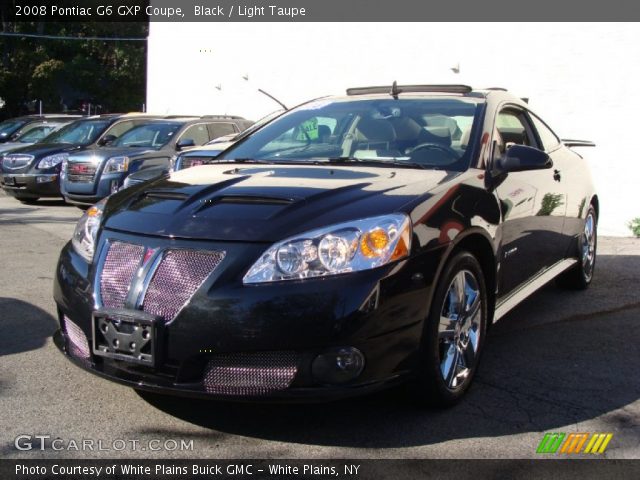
<point>338,365</point>
<point>45,178</point>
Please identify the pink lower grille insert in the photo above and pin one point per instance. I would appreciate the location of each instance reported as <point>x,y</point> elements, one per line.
<point>78,343</point>
<point>250,373</point>
<point>179,275</point>
<point>120,265</point>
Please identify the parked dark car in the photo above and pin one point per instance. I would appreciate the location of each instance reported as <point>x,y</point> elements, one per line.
<point>351,244</point>
<point>31,172</point>
<point>34,133</point>
<point>12,128</point>
<point>198,156</point>
<point>92,174</point>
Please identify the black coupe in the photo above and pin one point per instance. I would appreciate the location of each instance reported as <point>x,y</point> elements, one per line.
<point>351,244</point>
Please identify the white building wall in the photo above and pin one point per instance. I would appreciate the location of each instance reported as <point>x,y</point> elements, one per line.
<point>581,78</point>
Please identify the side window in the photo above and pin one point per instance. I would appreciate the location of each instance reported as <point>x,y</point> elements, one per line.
<point>120,128</point>
<point>220,129</point>
<point>547,137</point>
<point>512,128</point>
<point>198,133</point>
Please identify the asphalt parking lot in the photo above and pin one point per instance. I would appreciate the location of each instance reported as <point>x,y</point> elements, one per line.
<point>560,362</point>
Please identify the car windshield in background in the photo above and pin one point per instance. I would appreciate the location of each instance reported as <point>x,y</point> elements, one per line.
<point>36,134</point>
<point>83,132</point>
<point>151,135</point>
<point>9,126</point>
<point>426,132</point>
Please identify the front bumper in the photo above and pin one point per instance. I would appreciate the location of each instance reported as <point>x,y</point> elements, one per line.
<point>379,312</point>
<point>31,185</point>
<point>89,193</point>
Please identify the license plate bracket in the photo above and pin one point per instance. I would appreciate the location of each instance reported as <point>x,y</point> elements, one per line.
<point>132,337</point>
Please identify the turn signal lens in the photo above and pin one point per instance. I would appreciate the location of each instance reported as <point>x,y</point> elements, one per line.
<point>373,243</point>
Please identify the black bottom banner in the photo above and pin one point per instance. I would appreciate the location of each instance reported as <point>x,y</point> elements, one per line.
<point>318,469</point>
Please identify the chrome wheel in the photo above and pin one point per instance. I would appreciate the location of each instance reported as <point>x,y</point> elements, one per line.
<point>589,246</point>
<point>459,329</point>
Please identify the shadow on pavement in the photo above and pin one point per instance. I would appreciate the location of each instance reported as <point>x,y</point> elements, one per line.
<point>535,376</point>
<point>23,326</point>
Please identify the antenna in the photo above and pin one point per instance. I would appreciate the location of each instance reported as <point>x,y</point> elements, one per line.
<point>394,90</point>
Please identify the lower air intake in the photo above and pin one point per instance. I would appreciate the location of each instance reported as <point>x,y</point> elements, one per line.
<point>78,344</point>
<point>250,374</point>
<point>179,275</point>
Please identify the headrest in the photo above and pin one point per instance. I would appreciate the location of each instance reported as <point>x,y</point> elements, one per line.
<point>374,130</point>
<point>406,128</point>
<point>441,135</point>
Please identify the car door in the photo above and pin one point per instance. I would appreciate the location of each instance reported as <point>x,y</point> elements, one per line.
<point>533,205</point>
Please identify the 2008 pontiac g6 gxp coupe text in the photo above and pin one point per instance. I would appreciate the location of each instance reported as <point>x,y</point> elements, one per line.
<point>352,243</point>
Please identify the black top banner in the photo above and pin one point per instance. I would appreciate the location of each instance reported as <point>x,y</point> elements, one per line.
<point>316,11</point>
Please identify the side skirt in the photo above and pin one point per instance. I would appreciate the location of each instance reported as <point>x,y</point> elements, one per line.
<point>525,290</point>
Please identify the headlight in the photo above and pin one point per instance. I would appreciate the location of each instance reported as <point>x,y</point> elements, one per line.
<point>117,164</point>
<point>172,163</point>
<point>52,160</point>
<point>345,247</point>
<point>84,236</point>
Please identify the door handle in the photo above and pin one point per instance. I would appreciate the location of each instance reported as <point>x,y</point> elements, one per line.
<point>556,175</point>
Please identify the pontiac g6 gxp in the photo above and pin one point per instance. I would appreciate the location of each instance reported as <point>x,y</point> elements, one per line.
<point>351,244</point>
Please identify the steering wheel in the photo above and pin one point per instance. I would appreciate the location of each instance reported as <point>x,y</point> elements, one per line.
<point>450,152</point>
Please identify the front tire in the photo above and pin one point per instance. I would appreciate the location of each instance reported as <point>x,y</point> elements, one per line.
<point>579,276</point>
<point>454,333</point>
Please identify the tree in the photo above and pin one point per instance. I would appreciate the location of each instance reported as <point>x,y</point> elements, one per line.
<point>65,72</point>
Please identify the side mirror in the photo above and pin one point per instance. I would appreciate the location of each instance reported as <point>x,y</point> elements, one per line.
<point>185,143</point>
<point>520,158</point>
<point>106,140</point>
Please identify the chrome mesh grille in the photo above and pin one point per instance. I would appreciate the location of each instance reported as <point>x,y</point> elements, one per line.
<point>176,279</point>
<point>78,343</point>
<point>120,265</point>
<point>250,373</point>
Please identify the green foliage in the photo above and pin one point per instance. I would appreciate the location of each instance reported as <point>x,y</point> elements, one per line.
<point>63,72</point>
<point>634,226</point>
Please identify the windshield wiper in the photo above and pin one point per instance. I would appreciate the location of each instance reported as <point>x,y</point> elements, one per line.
<point>238,160</point>
<point>376,162</point>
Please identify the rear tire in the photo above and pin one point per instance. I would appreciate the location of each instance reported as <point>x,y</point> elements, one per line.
<point>454,333</point>
<point>579,276</point>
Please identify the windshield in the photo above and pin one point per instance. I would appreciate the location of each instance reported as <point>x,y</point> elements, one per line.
<point>82,132</point>
<point>36,133</point>
<point>9,126</point>
<point>425,133</point>
<point>151,135</point>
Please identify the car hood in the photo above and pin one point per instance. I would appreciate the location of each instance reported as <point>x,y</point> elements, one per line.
<point>4,147</point>
<point>103,153</point>
<point>212,149</point>
<point>39,150</point>
<point>263,203</point>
